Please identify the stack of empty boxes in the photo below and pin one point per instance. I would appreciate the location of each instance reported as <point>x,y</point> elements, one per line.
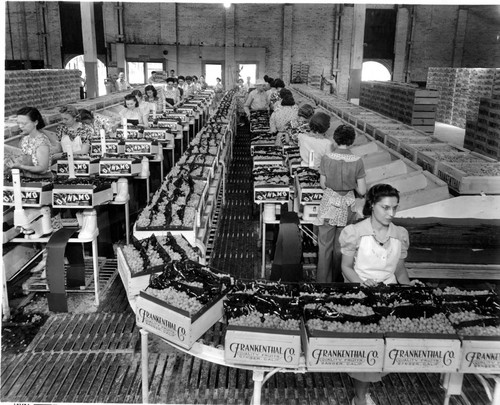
<point>406,103</point>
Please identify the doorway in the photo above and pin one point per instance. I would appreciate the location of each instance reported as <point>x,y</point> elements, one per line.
<point>78,63</point>
<point>212,72</point>
<point>248,70</point>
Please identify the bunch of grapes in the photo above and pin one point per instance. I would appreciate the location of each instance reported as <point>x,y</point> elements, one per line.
<point>158,219</point>
<point>154,257</point>
<point>480,331</point>
<point>435,324</point>
<point>178,299</point>
<point>254,319</point>
<point>458,291</point>
<point>464,316</point>
<point>354,310</point>
<point>184,244</point>
<point>343,327</point>
<point>134,259</point>
<point>143,219</point>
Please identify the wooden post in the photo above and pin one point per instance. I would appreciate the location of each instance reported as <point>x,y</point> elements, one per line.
<point>89,48</point>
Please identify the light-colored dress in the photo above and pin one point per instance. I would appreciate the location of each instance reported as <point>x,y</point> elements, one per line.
<point>75,137</point>
<point>315,143</point>
<point>371,260</point>
<point>281,117</point>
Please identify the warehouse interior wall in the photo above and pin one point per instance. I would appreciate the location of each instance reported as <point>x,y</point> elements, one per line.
<point>321,36</point>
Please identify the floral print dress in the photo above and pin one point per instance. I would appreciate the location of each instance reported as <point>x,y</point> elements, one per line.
<point>29,146</point>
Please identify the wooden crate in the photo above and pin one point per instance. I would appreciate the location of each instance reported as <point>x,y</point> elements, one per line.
<point>262,346</point>
<point>343,352</point>
<point>421,353</point>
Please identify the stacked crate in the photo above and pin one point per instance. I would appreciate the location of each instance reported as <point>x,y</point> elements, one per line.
<point>459,92</point>
<point>487,128</point>
<point>43,88</point>
<point>405,103</point>
<point>300,70</point>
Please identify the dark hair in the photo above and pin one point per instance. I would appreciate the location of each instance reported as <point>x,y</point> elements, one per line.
<point>269,80</point>
<point>306,111</point>
<point>171,79</point>
<point>136,93</point>
<point>344,135</point>
<point>152,88</point>
<point>266,78</point>
<point>69,109</point>
<point>180,78</point>
<point>278,83</point>
<point>195,77</point>
<point>189,78</point>
<point>320,122</point>
<point>33,114</point>
<point>85,115</point>
<point>286,97</point>
<point>219,79</point>
<point>153,72</point>
<point>130,97</point>
<point>375,194</point>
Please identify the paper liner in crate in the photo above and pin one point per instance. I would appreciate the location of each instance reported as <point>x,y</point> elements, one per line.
<point>271,183</point>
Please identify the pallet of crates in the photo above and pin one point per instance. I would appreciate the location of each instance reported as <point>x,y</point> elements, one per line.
<point>487,135</point>
<point>470,174</point>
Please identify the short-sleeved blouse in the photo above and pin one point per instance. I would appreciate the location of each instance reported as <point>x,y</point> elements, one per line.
<point>133,114</point>
<point>84,131</point>
<point>29,145</point>
<point>316,143</point>
<point>342,170</point>
<point>351,236</point>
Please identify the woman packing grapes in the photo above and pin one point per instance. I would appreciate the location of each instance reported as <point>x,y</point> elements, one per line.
<point>373,252</point>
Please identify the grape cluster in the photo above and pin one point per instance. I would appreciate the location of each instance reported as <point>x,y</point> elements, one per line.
<point>153,256</point>
<point>134,259</point>
<point>435,324</point>
<point>480,331</point>
<point>342,327</point>
<point>254,319</point>
<point>458,291</point>
<point>464,316</point>
<point>354,310</point>
<point>178,299</point>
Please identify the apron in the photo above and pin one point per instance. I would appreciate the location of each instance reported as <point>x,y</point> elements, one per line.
<point>375,261</point>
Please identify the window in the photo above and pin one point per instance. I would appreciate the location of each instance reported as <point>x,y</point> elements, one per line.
<point>139,72</point>
<point>212,72</point>
<point>135,72</point>
<point>248,70</point>
<point>153,67</point>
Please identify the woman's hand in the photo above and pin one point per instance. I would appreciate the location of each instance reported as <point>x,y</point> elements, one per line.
<point>369,282</point>
<point>414,283</point>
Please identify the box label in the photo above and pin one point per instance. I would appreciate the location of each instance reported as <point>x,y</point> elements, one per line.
<point>27,196</point>
<point>111,148</point>
<point>115,168</point>
<point>419,355</point>
<point>480,357</point>
<point>168,124</point>
<point>243,347</point>
<point>332,353</point>
<point>157,135</point>
<point>164,322</point>
<point>81,168</point>
<point>270,195</point>
<point>135,148</point>
<point>72,198</point>
<point>311,197</point>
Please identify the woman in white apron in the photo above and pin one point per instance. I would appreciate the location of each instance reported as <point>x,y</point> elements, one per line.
<point>373,252</point>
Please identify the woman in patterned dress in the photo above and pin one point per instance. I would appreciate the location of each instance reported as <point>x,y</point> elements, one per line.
<point>35,145</point>
<point>282,116</point>
<point>341,175</point>
<point>73,133</point>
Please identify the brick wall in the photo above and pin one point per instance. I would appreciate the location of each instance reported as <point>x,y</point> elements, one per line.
<point>432,43</point>
<point>481,46</point>
<point>312,45</point>
<point>40,88</point>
